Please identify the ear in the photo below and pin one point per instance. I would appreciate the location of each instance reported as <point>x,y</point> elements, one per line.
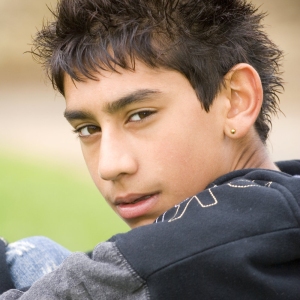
<point>245,93</point>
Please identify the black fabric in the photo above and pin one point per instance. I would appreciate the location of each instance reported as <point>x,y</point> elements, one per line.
<point>89,254</point>
<point>291,167</point>
<point>238,239</point>
<point>5,280</point>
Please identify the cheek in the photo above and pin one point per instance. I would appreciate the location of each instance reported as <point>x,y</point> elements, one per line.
<point>172,156</point>
<point>91,155</point>
<point>183,160</point>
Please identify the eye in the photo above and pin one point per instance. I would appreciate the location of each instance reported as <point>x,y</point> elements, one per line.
<point>87,130</point>
<point>139,116</point>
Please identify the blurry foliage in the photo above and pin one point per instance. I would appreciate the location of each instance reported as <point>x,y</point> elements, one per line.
<point>39,199</point>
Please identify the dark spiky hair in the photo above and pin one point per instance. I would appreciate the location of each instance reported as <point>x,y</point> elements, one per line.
<point>202,39</point>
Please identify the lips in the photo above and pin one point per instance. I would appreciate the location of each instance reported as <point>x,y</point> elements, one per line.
<point>132,199</point>
<point>136,205</point>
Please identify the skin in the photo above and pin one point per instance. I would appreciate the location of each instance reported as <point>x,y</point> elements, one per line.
<point>147,142</point>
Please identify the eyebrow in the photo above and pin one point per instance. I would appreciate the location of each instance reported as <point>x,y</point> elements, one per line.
<point>137,96</point>
<point>113,107</point>
<point>72,115</point>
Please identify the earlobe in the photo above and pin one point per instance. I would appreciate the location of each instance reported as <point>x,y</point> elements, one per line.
<point>246,95</point>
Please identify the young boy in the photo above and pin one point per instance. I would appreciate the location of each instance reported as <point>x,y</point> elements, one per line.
<point>172,103</point>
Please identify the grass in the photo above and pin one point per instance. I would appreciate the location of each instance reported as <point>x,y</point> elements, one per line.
<point>37,198</point>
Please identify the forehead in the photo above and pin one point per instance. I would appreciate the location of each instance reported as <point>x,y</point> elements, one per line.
<point>109,86</point>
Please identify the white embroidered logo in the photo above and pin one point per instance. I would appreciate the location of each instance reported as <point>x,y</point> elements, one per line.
<point>187,203</point>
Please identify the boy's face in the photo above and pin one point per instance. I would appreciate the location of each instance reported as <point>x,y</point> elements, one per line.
<point>146,140</point>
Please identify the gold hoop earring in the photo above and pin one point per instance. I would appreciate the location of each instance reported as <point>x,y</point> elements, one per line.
<point>232,131</point>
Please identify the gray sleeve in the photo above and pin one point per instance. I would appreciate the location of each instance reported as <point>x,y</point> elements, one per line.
<point>107,276</point>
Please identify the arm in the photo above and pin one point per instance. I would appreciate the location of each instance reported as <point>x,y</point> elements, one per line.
<point>107,276</point>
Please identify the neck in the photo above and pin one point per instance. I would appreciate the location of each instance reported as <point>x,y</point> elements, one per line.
<point>253,154</point>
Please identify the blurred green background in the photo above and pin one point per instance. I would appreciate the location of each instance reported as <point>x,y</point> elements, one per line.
<point>45,188</point>
<point>39,198</point>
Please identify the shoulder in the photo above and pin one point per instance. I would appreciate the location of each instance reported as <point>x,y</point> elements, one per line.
<point>250,193</point>
<point>250,217</point>
<point>246,202</point>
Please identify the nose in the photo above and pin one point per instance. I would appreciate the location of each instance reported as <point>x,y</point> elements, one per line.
<point>116,157</point>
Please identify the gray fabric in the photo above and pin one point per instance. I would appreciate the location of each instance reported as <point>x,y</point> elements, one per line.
<point>107,276</point>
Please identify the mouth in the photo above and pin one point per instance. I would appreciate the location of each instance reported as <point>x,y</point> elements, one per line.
<point>134,206</point>
<point>132,199</point>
